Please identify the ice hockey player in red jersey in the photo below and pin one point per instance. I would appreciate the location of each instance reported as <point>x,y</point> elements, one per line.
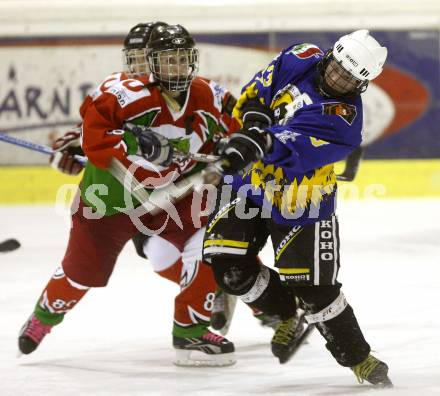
<point>68,145</point>
<point>135,122</point>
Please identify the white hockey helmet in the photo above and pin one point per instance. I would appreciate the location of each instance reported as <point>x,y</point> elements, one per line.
<point>360,54</point>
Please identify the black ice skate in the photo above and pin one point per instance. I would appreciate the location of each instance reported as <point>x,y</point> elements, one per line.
<point>374,371</point>
<point>31,335</point>
<point>223,311</point>
<point>289,335</point>
<point>208,350</point>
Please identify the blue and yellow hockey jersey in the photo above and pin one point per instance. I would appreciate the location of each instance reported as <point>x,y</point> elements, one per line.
<point>296,180</point>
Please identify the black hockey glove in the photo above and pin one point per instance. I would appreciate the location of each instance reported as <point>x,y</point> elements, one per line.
<point>154,147</point>
<point>244,147</point>
<point>256,115</point>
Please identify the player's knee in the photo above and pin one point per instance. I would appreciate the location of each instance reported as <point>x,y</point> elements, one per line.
<point>235,275</point>
<point>317,298</point>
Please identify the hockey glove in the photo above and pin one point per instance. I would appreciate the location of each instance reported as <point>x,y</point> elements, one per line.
<point>65,148</point>
<point>256,115</point>
<point>244,147</point>
<point>154,147</point>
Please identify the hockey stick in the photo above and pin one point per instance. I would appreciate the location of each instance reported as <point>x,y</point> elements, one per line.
<point>198,157</point>
<point>159,199</point>
<point>351,165</point>
<point>162,199</point>
<point>40,148</point>
<point>178,155</point>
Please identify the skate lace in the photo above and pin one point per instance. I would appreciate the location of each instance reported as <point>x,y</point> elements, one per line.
<point>364,369</point>
<point>36,330</point>
<point>284,331</point>
<point>212,337</point>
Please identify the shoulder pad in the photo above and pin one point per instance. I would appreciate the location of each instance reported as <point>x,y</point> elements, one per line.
<point>305,51</point>
<point>128,91</point>
<point>107,83</point>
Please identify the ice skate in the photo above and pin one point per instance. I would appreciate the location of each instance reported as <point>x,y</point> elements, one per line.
<point>374,371</point>
<point>31,335</point>
<point>208,350</point>
<point>223,311</point>
<point>289,335</point>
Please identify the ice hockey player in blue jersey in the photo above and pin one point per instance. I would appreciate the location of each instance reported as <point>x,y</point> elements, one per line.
<point>299,116</point>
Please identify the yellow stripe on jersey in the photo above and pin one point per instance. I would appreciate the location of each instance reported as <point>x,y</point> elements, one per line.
<point>289,271</point>
<point>225,242</point>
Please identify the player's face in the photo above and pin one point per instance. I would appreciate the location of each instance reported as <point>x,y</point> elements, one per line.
<point>175,68</point>
<point>136,62</point>
<point>339,79</point>
<point>175,64</point>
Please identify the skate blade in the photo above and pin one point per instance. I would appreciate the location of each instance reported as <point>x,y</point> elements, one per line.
<point>386,383</point>
<point>186,358</point>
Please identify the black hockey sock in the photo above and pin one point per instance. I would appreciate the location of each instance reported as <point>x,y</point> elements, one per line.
<point>276,299</point>
<point>344,337</point>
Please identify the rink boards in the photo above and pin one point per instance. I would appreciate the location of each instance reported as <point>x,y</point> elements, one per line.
<point>380,179</point>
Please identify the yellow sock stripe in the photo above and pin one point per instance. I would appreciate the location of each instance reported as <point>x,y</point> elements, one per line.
<point>216,220</point>
<point>287,271</point>
<point>287,244</point>
<point>225,242</point>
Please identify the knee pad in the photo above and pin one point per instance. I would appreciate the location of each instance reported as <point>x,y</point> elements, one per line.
<point>316,298</point>
<point>235,275</point>
<point>255,284</point>
<point>331,311</point>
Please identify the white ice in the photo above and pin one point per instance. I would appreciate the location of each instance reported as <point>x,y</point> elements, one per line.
<point>117,341</point>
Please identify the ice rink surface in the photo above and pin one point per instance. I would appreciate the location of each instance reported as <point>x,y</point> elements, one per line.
<point>117,341</point>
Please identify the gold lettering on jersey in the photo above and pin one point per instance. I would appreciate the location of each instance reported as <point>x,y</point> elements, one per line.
<point>287,196</point>
<point>265,76</point>
<point>318,142</point>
